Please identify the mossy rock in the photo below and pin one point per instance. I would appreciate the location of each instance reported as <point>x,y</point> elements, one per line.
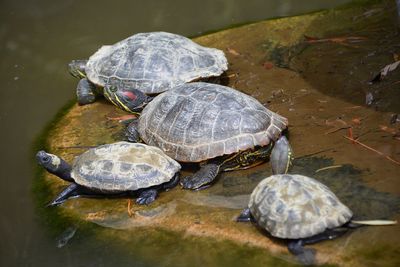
<point>263,58</point>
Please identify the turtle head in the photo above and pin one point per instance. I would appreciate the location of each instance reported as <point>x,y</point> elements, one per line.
<point>77,68</point>
<point>131,100</point>
<point>55,165</point>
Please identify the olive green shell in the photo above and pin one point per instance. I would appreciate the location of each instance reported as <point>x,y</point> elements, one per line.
<point>198,121</point>
<point>296,206</point>
<point>123,166</point>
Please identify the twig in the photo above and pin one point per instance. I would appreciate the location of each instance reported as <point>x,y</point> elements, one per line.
<point>372,149</point>
<point>337,129</point>
<point>314,153</point>
<point>328,168</point>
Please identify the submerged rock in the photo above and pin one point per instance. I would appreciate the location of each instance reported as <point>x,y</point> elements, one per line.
<point>365,181</point>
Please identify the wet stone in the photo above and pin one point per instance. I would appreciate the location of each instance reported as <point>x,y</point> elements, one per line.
<point>365,182</point>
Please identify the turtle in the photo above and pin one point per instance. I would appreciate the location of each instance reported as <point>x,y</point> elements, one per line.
<point>114,170</point>
<point>129,72</point>
<point>301,210</point>
<point>219,127</point>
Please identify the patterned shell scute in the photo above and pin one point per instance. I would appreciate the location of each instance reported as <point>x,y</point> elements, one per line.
<point>154,62</point>
<point>296,206</point>
<point>198,121</point>
<point>123,166</point>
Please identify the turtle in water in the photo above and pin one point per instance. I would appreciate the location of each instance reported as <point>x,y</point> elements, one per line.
<point>118,169</point>
<point>302,210</point>
<point>215,125</point>
<point>145,63</point>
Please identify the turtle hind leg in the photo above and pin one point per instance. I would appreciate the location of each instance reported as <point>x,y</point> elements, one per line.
<point>305,256</point>
<point>147,196</point>
<point>85,92</point>
<point>245,216</point>
<point>202,177</point>
<point>171,184</point>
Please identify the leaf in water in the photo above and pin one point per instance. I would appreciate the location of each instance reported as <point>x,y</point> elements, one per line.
<point>395,118</point>
<point>66,236</point>
<point>388,129</point>
<point>369,98</point>
<point>385,71</point>
<point>268,65</point>
<point>233,52</point>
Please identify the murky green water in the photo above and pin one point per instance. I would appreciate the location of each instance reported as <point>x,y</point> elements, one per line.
<point>38,38</point>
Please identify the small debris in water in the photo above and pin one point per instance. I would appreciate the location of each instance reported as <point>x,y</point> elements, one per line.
<point>268,65</point>
<point>343,40</point>
<point>123,118</point>
<point>384,72</point>
<point>66,236</point>
<point>368,13</point>
<point>369,99</point>
<point>356,120</point>
<point>388,129</point>
<point>233,52</point>
<point>395,118</point>
<point>372,149</point>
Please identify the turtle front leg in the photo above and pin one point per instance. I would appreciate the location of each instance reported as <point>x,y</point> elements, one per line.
<point>147,196</point>
<point>131,132</point>
<point>85,92</point>
<point>305,256</point>
<point>72,191</point>
<point>202,177</point>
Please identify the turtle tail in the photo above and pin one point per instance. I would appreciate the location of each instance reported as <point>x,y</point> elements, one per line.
<point>373,222</point>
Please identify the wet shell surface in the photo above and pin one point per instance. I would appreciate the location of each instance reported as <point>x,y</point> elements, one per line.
<point>197,121</point>
<point>154,62</point>
<point>123,166</point>
<point>296,206</point>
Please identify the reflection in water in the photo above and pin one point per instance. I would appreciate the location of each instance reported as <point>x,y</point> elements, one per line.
<point>64,238</point>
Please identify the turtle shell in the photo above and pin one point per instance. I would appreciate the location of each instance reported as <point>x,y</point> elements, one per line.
<point>154,62</point>
<point>197,121</point>
<point>296,206</point>
<point>123,166</point>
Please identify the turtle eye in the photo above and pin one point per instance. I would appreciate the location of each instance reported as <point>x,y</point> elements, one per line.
<point>46,159</point>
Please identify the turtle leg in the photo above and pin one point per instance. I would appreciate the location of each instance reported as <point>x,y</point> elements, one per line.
<point>281,156</point>
<point>147,196</point>
<point>85,91</point>
<point>131,132</point>
<point>171,184</point>
<point>305,256</point>
<point>245,216</point>
<point>73,191</point>
<point>202,177</point>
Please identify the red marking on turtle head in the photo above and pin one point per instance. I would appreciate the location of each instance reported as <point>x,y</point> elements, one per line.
<point>130,95</point>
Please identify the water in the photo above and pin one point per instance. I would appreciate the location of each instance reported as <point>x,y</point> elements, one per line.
<point>38,39</point>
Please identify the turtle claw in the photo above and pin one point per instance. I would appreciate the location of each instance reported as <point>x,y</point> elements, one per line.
<point>202,178</point>
<point>189,183</point>
<point>147,197</point>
